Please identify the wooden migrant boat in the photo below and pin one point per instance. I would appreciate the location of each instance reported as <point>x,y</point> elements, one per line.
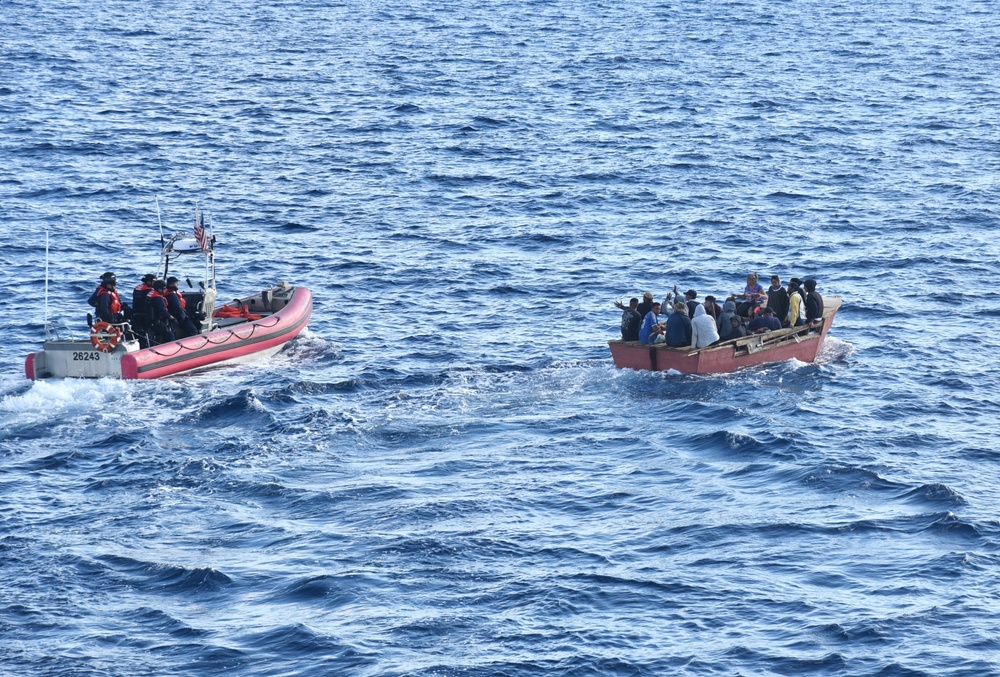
<point>800,343</point>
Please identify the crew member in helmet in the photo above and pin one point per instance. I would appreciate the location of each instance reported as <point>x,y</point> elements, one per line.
<point>142,317</point>
<point>157,299</point>
<point>140,293</point>
<point>93,297</point>
<point>178,308</point>
<point>105,299</point>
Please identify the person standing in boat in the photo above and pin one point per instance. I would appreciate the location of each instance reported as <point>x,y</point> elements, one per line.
<point>92,301</point>
<point>141,317</point>
<point>631,320</point>
<point>777,298</point>
<point>802,294</point>
<point>161,329</point>
<point>105,299</point>
<point>796,306</point>
<point>140,292</point>
<point>177,307</point>
<point>646,305</point>
<point>814,302</point>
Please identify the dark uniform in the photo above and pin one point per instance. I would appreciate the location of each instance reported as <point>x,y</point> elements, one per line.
<point>177,307</point>
<point>105,300</point>
<point>161,330</point>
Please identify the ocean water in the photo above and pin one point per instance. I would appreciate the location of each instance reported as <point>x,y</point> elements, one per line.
<point>445,474</point>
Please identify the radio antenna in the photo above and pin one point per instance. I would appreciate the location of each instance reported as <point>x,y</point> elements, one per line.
<point>162,242</point>
<point>47,284</point>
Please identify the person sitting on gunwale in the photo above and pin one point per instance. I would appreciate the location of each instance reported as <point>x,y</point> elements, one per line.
<point>651,331</point>
<point>703,330</point>
<point>631,320</point>
<point>177,307</point>
<point>678,330</point>
<point>753,295</point>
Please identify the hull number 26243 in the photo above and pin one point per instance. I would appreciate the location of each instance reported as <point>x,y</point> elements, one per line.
<point>80,356</point>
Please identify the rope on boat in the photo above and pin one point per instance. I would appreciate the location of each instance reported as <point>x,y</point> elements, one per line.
<point>254,326</point>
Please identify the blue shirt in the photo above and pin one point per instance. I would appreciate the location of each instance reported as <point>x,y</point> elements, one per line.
<point>765,322</point>
<point>650,321</point>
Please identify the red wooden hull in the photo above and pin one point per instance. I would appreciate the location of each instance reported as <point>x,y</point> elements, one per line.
<point>221,345</point>
<point>800,343</point>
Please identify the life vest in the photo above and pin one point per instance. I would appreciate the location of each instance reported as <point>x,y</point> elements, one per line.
<point>116,305</point>
<point>160,312</point>
<point>179,295</point>
<point>140,295</point>
<point>228,312</point>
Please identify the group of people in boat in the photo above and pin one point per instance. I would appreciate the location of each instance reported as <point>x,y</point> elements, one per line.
<point>693,324</point>
<point>158,312</point>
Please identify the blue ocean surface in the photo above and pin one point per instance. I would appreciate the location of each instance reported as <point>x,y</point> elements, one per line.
<point>445,474</point>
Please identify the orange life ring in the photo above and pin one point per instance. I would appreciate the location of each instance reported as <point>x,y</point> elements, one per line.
<point>104,336</point>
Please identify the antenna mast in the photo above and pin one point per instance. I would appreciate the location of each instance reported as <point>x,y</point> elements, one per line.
<point>47,284</point>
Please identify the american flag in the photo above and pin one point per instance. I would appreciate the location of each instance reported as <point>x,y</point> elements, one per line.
<point>199,231</point>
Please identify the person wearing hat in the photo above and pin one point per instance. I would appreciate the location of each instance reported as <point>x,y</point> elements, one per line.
<point>766,321</point>
<point>796,306</point>
<point>689,300</point>
<point>801,292</point>
<point>161,329</point>
<point>141,317</point>
<point>105,299</point>
<point>177,307</point>
<point>97,290</point>
<point>141,291</point>
<point>814,302</point>
<point>646,305</point>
